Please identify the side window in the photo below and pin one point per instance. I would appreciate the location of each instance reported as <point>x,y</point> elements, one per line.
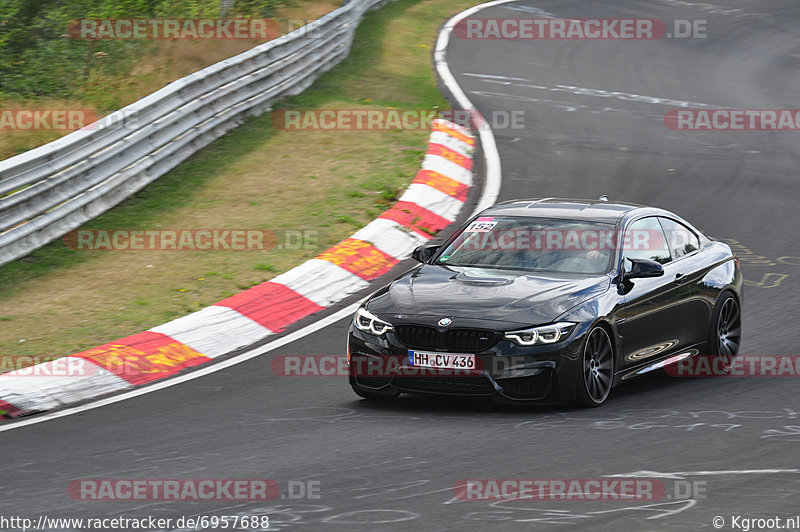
<point>681,239</point>
<point>644,239</point>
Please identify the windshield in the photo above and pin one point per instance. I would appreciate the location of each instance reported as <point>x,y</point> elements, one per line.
<point>533,244</point>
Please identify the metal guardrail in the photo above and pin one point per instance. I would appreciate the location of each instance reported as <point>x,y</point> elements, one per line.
<point>50,190</point>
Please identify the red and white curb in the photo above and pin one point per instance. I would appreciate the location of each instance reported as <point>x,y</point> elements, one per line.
<point>432,201</point>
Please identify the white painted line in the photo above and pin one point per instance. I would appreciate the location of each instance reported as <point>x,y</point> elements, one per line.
<point>684,474</point>
<point>491,186</point>
<point>200,372</point>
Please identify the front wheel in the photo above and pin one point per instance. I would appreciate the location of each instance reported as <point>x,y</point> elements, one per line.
<point>725,334</point>
<point>597,364</point>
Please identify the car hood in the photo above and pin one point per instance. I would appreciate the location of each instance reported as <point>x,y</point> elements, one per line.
<point>520,299</point>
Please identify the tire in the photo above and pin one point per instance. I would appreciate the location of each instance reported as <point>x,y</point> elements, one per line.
<point>725,331</point>
<point>597,369</point>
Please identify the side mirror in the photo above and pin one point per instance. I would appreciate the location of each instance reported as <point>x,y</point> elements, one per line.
<point>641,268</point>
<point>424,253</point>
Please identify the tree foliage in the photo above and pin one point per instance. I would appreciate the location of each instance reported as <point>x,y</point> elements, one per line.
<point>38,58</point>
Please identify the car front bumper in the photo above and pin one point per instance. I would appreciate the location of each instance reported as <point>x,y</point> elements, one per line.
<point>507,372</point>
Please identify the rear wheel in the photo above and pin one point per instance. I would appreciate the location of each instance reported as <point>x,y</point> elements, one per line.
<point>594,382</point>
<point>725,335</point>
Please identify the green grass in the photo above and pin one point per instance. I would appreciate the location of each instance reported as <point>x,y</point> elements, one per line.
<point>256,177</point>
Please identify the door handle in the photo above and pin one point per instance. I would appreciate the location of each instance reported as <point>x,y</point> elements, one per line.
<point>679,278</point>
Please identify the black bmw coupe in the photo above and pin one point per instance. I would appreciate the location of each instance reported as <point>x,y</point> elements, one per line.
<point>549,300</point>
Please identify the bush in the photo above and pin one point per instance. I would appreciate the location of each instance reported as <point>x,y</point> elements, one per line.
<point>39,59</point>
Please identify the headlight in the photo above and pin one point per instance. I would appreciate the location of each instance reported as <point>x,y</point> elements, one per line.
<point>546,334</point>
<point>367,322</point>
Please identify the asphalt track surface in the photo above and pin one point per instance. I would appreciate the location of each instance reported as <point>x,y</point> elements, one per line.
<point>593,124</point>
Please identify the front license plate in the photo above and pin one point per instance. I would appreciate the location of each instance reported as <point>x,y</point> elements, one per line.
<point>440,360</point>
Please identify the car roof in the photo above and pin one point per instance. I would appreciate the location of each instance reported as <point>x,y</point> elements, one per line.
<point>573,209</point>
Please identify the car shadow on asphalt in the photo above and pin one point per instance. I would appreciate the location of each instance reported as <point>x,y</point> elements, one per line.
<point>645,391</point>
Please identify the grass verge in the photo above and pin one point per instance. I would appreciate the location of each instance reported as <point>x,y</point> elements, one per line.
<point>57,301</point>
<point>115,82</point>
